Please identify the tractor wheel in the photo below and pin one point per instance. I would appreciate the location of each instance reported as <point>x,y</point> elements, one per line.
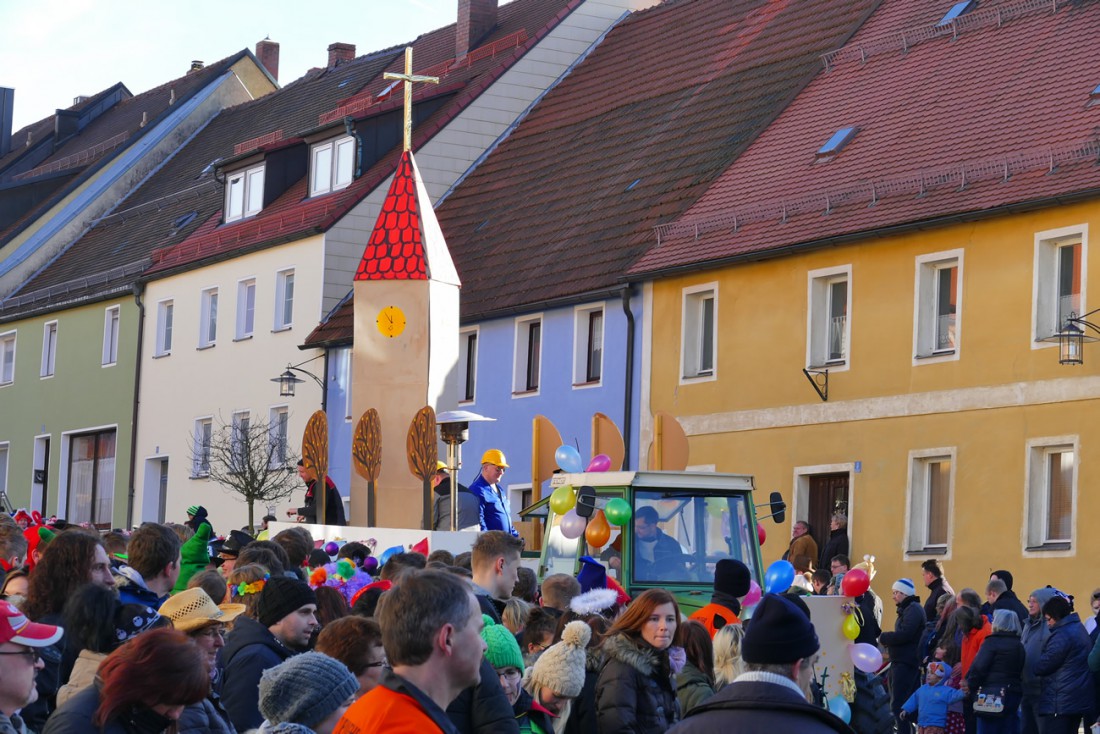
<point>871,709</point>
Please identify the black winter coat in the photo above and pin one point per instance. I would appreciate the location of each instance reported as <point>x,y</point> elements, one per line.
<point>754,707</point>
<point>836,545</point>
<point>870,607</point>
<point>1064,679</point>
<point>582,715</point>
<point>635,693</point>
<point>999,663</point>
<point>904,642</point>
<point>250,650</point>
<point>75,717</point>
<point>936,589</point>
<point>483,709</point>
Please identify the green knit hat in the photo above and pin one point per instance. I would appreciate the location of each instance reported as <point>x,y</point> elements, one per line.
<point>503,650</point>
<point>194,556</point>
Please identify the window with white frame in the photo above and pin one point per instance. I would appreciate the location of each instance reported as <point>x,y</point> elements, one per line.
<point>467,364</point>
<point>240,446</point>
<point>528,355</point>
<point>699,332</point>
<point>165,316</point>
<point>284,299</point>
<point>7,358</point>
<point>1060,266</point>
<point>201,441</point>
<point>277,428</point>
<point>1051,493</point>
<point>244,193</point>
<point>208,317</point>
<point>246,308</point>
<point>938,291</point>
<point>332,165</point>
<point>931,483</point>
<point>587,345</point>
<point>110,336</point>
<point>49,349</point>
<point>829,331</point>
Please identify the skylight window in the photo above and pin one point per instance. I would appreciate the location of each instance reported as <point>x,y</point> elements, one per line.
<point>956,10</point>
<point>837,142</point>
<point>392,85</point>
<point>633,183</point>
<point>1094,95</point>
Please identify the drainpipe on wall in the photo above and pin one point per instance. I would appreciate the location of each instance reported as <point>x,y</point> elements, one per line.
<point>349,128</point>
<point>629,381</point>
<point>139,288</point>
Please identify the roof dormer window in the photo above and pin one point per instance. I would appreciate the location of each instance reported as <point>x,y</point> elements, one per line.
<point>836,143</point>
<point>244,193</point>
<point>332,165</point>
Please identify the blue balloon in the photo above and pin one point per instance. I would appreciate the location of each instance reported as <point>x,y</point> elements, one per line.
<point>840,708</point>
<point>386,554</point>
<point>568,459</point>
<point>779,577</point>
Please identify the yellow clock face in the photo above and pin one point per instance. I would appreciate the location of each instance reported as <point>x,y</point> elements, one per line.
<point>391,321</point>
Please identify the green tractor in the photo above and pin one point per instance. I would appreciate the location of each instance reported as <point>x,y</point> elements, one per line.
<point>680,525</point>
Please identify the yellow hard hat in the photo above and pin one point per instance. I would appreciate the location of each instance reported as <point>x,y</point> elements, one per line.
<point>494,456</point>
<point>440,466</point>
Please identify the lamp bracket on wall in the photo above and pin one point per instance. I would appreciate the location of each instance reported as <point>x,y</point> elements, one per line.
<point>820,381</point>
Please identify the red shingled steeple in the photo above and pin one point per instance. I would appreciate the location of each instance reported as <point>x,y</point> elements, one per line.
<point>395,250</point>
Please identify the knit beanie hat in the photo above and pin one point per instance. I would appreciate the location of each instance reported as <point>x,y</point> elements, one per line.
<point>905,586</point>
<point>502,649</point>
<point>561,667</point>
<point>194,556</point>
<point>732,577</point>
<point>1043,595</point>
<point>305,689</point>
<point>1059,607</point>
<point>779,632</point>
<point>281,596</point>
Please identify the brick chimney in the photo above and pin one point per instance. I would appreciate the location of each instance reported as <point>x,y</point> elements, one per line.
<point>340,53</point>
<point>475,19</point>
<point>7,106</point>
<point>267,51</point>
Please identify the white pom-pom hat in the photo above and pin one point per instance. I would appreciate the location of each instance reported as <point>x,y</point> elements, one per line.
<point>561,667</point>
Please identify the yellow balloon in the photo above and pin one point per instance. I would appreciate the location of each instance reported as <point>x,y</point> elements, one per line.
<point>563,500</point>
<point>851,627</point>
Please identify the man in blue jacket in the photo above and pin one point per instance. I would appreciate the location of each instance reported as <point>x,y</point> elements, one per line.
<point>495,512</point>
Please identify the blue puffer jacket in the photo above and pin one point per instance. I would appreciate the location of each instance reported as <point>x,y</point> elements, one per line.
<point>1064,678</point>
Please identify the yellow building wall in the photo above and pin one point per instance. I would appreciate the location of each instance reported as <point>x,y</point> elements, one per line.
<point>761,416</point>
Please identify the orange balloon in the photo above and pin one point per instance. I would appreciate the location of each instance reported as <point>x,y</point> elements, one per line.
<point>598,532</point>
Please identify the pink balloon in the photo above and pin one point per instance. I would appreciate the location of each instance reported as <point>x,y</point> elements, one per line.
<point>761,533</point>
<point>600,462</point>
<point>865,656</point>
<point>572,524</point>
<point>753,596</point>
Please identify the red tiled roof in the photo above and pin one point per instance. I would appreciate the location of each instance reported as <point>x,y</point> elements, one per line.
<point>630,139</point>
<point>294,215</point>
<point>395,250</point>
<point>953,121</point>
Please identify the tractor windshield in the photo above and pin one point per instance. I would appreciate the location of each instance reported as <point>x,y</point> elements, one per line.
<point>680,535</point>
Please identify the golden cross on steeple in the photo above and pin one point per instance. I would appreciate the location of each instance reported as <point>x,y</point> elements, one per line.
<point>408,77</point>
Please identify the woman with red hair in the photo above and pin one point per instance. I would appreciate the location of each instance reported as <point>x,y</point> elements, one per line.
<point>635,691</point>
<point>143,688</point>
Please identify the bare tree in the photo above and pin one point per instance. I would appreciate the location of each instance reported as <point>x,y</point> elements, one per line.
<point>247,457</point>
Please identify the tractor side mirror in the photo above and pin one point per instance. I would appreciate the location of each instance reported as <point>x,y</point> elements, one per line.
<point>586,501</point>
<point>778,507</point>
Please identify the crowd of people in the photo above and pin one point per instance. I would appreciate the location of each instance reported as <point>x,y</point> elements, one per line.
<point>171,629</point>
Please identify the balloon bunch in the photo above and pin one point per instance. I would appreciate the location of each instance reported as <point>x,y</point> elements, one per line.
<point>569,460</point>
<point>865,656</point>
<point>596,531</point>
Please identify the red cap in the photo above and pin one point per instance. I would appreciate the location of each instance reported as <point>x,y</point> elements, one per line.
<point>15,627</point>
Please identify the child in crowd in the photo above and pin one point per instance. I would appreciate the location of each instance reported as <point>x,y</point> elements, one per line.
<point>931,700</point>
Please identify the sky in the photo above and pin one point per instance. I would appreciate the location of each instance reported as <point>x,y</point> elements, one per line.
<point>52,51</point>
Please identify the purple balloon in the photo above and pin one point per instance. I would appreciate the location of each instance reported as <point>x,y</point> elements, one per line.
<point>600,462</point>
<point>332,547</point>
<point>370,565</point>
<point>754,594</point>
<point>865,656</point>
<point>572,524</point>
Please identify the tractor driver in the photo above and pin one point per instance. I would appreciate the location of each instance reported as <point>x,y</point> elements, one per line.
<point>656,555</point>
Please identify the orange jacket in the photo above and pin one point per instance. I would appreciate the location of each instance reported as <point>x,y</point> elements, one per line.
<point>707,614</point>
<point>384,709</point>
<point>972,642</point>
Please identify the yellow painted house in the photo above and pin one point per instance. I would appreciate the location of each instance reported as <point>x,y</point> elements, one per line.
<point>866,303</point>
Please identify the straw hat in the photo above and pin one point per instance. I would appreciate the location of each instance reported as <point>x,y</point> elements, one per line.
<point>194,609</point>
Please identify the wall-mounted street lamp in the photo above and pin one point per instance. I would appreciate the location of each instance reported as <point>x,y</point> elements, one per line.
<point>1072,337</point>
<point>454,430</point>
<point>288,382</point>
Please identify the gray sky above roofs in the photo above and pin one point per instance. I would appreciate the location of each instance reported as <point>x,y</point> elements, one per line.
<point>52,51</point>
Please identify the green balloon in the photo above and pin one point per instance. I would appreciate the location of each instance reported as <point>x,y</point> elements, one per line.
<point>617,511</point>
<point>563,500</point>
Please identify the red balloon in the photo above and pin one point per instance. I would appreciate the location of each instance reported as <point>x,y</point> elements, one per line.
<point>855,582</point>
<point>761,534</point>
